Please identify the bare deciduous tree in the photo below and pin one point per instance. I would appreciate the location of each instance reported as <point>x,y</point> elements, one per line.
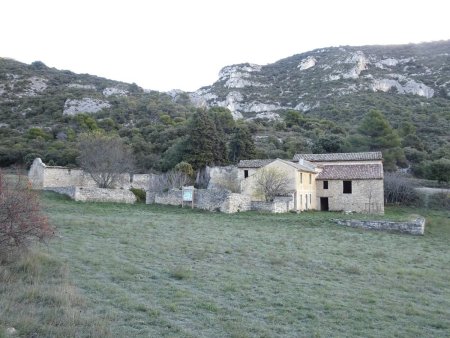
<point>21,219</point>
<point>105,158</point>
<point>173,179</point>
<point>271,182</point>
<point>398,189</point>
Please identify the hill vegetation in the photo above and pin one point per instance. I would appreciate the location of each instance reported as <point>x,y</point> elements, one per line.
<point>319,101</point>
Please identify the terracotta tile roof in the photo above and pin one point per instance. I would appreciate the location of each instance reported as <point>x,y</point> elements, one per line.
<point>351,172</point>
<point>254,163</point>
<point>306,166</point>
<point>376,155</point>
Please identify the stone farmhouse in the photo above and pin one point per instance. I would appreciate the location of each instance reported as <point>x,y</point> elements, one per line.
<point>335,182</point>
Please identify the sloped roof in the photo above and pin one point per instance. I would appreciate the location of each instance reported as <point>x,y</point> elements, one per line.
<point>351,172</point>
<point>306,166</point>
<point>254,163</point>
<point>367,156</point>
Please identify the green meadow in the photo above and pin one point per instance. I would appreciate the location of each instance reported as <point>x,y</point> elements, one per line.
<point>116,270</point>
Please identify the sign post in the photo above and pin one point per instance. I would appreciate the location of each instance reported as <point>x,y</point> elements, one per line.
<point>187,196</point>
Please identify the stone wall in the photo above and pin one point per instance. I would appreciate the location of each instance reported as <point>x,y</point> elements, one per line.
<point>224,177</point>
<point>42,176</point>
<point>367,196</point>
<point>93,194</point>
<point>279,205</point>
<point>140,181</point>
<point>221,200</point>
<point>413,227</point>
<point>210,199</point>
<point>236,203</point>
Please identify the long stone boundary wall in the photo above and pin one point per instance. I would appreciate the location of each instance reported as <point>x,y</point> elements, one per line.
<point>90,194</point>
<point>413,227</point>
<point>221,200</point>
<point>207,199</point>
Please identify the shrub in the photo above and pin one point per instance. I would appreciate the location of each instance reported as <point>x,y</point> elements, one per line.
<point>21,218</point>
<point>399,190</point>
<point>139,193</point>
<point>440,200</point>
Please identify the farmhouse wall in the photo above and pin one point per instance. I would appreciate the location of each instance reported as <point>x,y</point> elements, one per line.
<point>367,196</point>
<point>224,177</point>
<point>94,194</point>
<point>414,227</point>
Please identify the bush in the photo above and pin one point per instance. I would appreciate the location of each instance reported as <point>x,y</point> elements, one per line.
<point>441,200</point>
<point>399,190</point>
<point>139,193</point>
<point>21,218</point>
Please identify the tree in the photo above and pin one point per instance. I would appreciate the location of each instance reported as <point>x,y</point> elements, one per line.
<point>271,182</point>
<point>21,218</point>
<point>377,131</point>
<point>241,144</point>
<point>399,190</point>
<point>379,135</point>
<point>440,170</point>
<point>328,144</point>
<point>104,157</point>
<point>205,144</point>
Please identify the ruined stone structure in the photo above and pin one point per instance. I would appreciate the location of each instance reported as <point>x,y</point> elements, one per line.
<point>80,186</point>
<point>43,176</point>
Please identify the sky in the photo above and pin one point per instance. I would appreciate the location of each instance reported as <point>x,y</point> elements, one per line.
<point>183,44</point>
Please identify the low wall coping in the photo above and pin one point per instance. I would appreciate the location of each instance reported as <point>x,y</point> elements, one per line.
<point>414,226</point>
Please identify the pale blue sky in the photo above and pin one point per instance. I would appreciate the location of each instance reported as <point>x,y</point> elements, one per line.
<point>168,44</point>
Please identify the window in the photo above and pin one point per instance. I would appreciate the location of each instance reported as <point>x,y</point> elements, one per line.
<point>347,187</point>
<point>310,178</point>
<point>245,173</point>
<point>310,199</point>
<point>301,178</point>
<point>325,184</point>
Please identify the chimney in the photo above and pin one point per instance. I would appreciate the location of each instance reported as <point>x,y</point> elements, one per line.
<point>300,161</point>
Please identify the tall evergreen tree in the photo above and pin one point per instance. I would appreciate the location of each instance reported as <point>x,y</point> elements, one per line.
<point>206,145</point>
<point>377,134</point>
<point>241,144</point>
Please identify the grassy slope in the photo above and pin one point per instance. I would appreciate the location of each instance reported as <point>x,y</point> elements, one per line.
<point>162,271</point>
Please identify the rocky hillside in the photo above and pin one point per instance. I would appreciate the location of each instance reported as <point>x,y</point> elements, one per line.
<point>310,102</point>
<point>326,80</point>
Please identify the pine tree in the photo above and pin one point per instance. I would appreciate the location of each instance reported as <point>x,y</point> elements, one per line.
<point>377,134</point>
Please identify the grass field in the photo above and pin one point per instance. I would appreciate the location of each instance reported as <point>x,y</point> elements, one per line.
<point>152,271</point>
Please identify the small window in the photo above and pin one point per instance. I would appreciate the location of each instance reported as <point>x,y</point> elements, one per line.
<point>301,177</point>
<point>245,173</point>
<point>310,199</point>
<point>347,187</point>
<point>325,184</point>
<point>310,178</point>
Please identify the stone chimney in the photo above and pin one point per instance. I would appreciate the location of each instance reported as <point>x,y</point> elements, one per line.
<point>300,161</point>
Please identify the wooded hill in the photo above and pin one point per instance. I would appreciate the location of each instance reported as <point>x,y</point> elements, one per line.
<point>317,101</point>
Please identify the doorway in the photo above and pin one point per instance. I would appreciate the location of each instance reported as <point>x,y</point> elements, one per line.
<point>324,204</point>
